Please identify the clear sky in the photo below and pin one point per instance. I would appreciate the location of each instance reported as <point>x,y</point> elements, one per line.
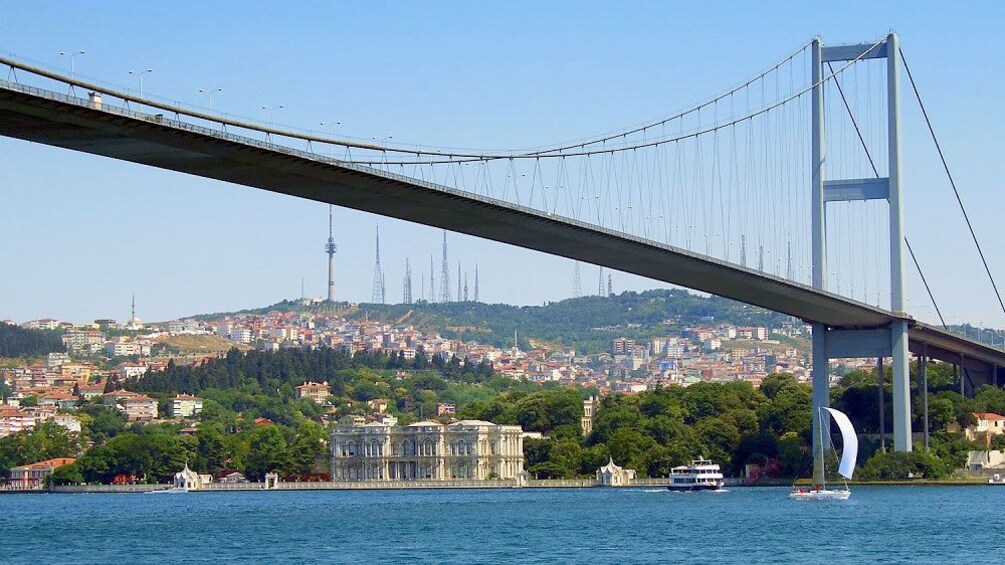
<point>82,233</point>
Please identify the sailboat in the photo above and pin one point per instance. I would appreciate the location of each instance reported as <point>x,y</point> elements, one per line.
<point>849,453</point>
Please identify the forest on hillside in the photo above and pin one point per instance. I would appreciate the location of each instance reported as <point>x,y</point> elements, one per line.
<point>16,341</point>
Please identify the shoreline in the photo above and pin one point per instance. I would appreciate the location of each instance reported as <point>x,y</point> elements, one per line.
<point>446,485</point>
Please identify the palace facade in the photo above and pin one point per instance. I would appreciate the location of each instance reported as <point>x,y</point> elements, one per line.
<point>468,449</point>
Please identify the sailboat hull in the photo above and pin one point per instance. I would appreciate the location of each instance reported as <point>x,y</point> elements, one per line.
<point>822,494</point>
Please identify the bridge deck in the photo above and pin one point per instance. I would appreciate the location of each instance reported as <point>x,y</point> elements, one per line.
<point>45,117</point>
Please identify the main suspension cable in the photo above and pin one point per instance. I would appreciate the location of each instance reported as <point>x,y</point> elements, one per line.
<point>952,182</point>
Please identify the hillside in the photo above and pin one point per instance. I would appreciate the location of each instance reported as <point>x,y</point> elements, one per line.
<point>200,345</point>
<point>586,323</point>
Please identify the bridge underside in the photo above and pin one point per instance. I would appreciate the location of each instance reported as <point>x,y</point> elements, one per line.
<point>154,141</point>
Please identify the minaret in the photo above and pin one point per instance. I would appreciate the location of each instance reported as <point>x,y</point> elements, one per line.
<point>445,273</point>
<point>330,250</point>
<point>378,276</point>
<point>476,282</point>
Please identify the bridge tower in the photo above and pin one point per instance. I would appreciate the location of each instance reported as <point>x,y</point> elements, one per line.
<point>834,342</point>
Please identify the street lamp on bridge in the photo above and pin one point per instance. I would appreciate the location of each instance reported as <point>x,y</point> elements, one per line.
<point>272,113</point>
<point>139,75</point>
<point>209,92</point>
<point>73,57</point>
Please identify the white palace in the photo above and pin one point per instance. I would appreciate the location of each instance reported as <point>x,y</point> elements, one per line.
<point>468,449</point>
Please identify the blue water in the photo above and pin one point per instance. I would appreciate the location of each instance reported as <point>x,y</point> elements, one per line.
<point>745,525</point>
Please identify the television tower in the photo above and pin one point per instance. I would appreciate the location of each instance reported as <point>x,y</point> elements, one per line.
<point>476,282</point>
<point>465,287</point>
<point>330,250</point>
<point>610,287</point>
<point>378,276</point>
<point>445,273</point>
<point>600,286</point>
<point>577,283</point>
<point>432,285</point>
<point>407,296</point>
<point>460,295</point>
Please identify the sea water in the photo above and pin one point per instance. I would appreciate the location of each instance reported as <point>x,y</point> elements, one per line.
<point>743,525</point>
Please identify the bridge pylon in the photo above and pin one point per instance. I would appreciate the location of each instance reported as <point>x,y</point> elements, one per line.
<point>837,342</point>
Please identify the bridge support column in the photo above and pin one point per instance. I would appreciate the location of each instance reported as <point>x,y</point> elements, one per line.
<point>901,387</point>
<point>821,398</point>
<point>880,378</point>
<point>923,374</point>
<point>898,329</point>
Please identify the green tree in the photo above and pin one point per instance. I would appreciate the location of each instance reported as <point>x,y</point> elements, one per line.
<point>267,453</point>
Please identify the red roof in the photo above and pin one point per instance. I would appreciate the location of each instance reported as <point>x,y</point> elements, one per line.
<point>47,464</point>
<point>988,416</point>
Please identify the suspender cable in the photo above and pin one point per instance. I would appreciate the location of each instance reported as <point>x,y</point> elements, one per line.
<point>875,171</point>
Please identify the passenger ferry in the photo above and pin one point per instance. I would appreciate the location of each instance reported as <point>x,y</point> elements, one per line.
<point>701,474</point>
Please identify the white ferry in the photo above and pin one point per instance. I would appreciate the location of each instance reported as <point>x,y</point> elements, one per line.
<point>701,474</point>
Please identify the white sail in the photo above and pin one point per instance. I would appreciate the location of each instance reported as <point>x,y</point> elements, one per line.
<point>849,449</point>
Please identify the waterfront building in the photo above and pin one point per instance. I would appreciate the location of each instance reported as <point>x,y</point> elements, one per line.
<point>185,406</point>
<point>31,476</point>
<point>986,425</point>
<point>468,449</point>
<point>190,480</point>
<point>318,392</point>
<point>612,475</point>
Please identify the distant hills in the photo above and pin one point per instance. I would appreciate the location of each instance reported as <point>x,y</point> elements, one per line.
<point>586,323</point>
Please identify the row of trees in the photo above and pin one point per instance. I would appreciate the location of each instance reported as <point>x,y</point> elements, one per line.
<point>735,424</point>
<point>16,341</point>
<point>154,453</point>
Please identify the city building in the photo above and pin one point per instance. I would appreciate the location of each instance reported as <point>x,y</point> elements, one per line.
<point>14,420</point>
<point>318,392</point>
<point>32,476</point>
<point>468,449</point>
<point>140,408</point>
<point>986,425</point>
<point>184,406</point>
<point>88,392</point>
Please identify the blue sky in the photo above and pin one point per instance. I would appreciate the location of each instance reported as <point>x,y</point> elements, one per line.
<point>84,233</point>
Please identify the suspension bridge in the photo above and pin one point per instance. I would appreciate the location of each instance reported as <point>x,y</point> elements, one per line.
<point>784,192</point>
